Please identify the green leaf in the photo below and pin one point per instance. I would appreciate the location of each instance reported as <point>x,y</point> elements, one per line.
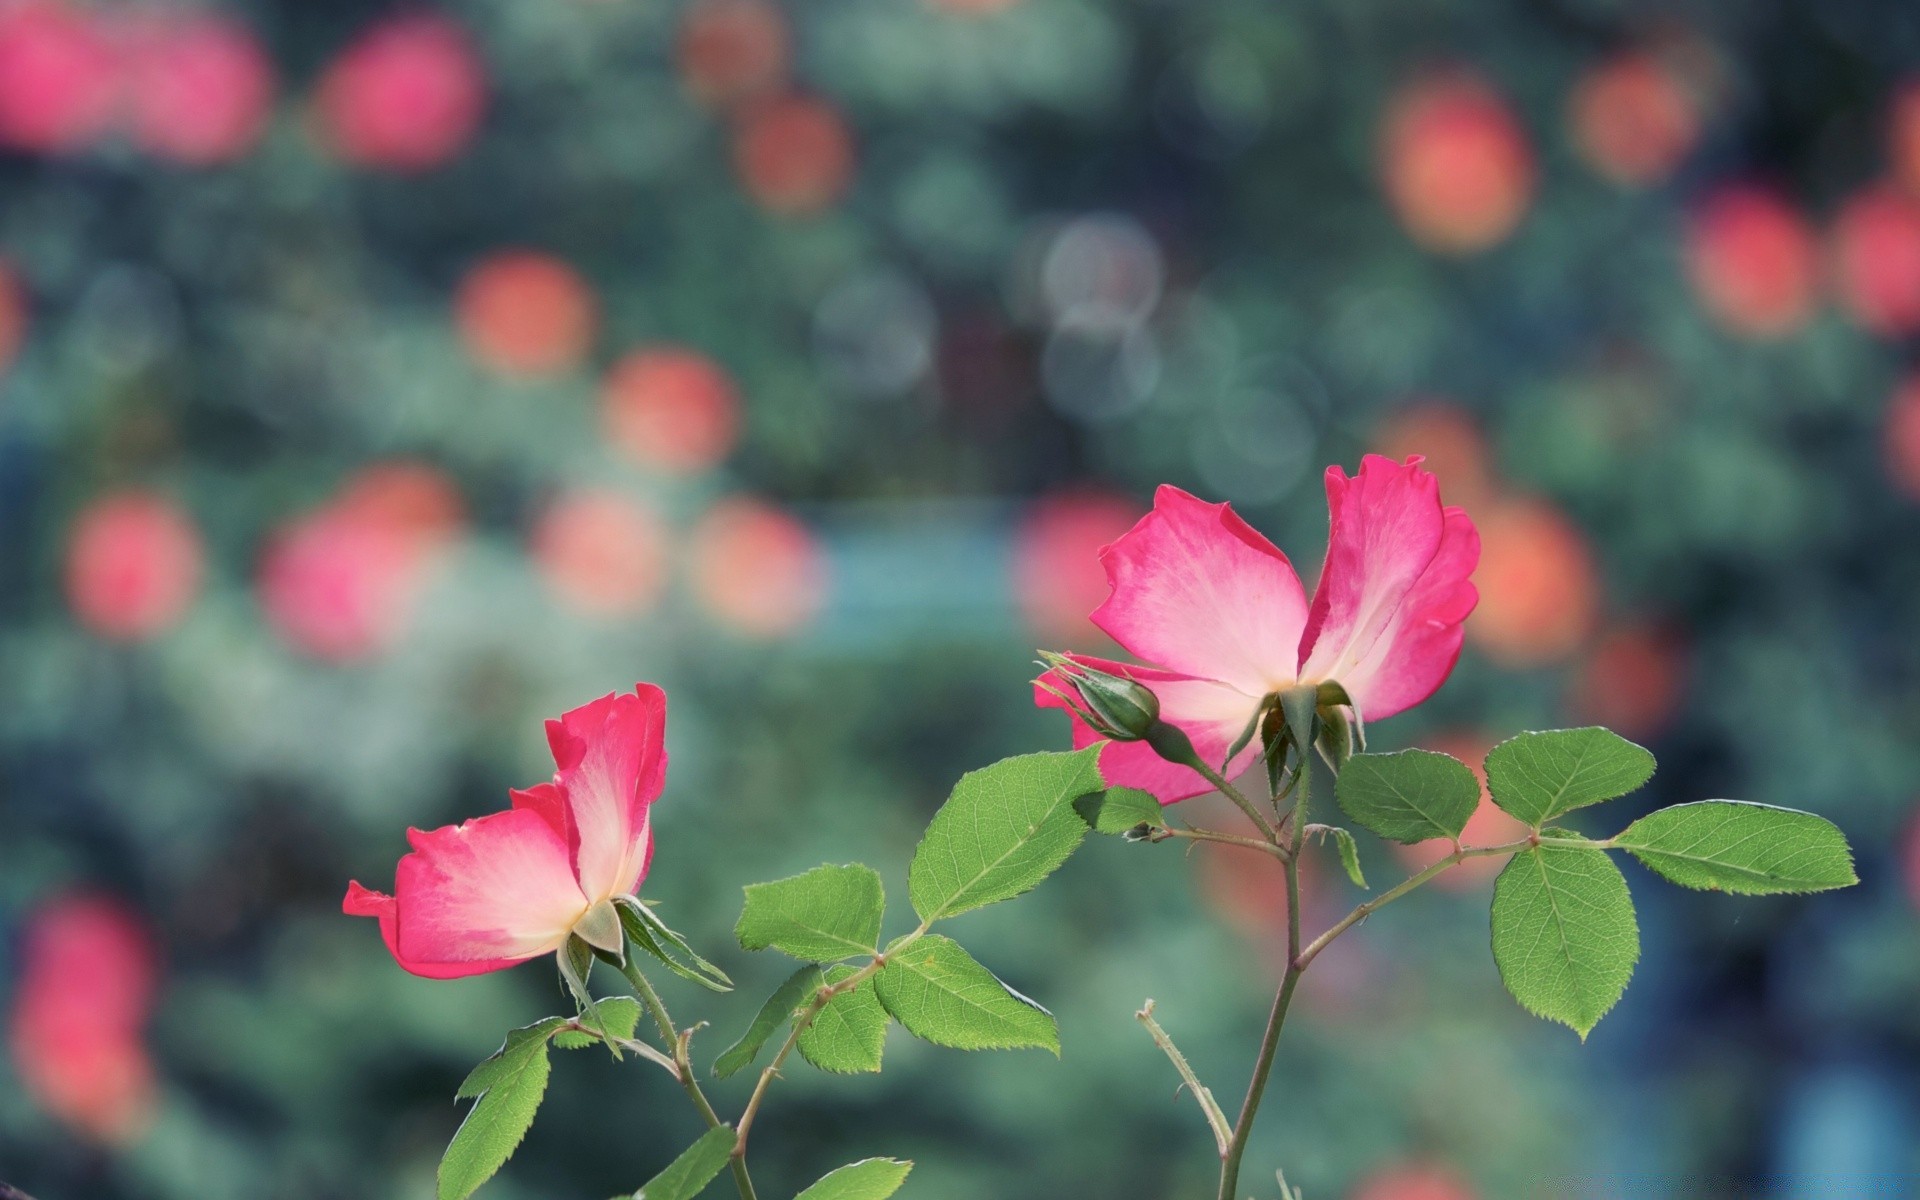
<point>940,994</point>
<point>1349,855</point>
<point>619,1017</point>
<point>1540,776</point>
<point>1564,935</point>
<point>1005,828</point>
<point>1734,846</point>
<point>868,1179</point>
<point>826,914</point>
<point>689,1175</point>
<point>1120,810</point>
<point>776,1012</point>
<point>849,1034</point>
<point>1408,796</point>
<point>509,1087</point>
<point>647,931</point>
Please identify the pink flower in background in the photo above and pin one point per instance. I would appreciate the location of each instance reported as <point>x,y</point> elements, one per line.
<point>1056,577</point>
<point>87,981</point>
<point>340,583</point>
<point>504,888</point>
<point>602,552</point>
<point>406,96</point>
<point>756,569</point>
<point>1198,591</point>
<point>59,77</point>
<point>200,88</point>
<point>133,566</point>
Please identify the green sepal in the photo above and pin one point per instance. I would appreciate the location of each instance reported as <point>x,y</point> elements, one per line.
<point>650,933</point>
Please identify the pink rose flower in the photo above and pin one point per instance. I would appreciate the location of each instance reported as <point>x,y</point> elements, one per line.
<point>501,889</point>
<point>1218,608</point>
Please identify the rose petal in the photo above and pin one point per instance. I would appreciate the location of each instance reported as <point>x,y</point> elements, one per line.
<point>481,895</point>
<point>612,764</point>
<point>1387,529</point>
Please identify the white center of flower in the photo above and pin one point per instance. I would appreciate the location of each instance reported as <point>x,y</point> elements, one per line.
<point>599,927</point>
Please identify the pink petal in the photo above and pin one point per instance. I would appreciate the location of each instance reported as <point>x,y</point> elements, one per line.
<point>1211,714</point>
<point>612,764</point>
<point>1197,590</point>
<point>479,896</point>
<point>551,803</point>
<point>365,902</point>
<point>1386,615</point>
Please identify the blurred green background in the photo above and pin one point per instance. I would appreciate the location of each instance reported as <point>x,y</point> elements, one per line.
<point>380,381</point>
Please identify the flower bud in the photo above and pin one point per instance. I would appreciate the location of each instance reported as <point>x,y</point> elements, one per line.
<point>1115,707</point>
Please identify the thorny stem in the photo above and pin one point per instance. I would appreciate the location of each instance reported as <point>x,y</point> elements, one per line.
<point>1227,839</point>
<point>1239,798</point>
<point>805,1018</point>
<point>1236,1147</point>
<point>1216,1120</point>
<point>679,1040</point>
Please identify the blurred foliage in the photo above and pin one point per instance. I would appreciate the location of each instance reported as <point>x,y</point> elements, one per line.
<point>961,260</point>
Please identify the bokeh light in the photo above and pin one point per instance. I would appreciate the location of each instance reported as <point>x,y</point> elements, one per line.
<point>1901,438</point>
<point>134,562</point>
<point>1632,680</point>
<point>201,88</point>
<point>407,95</point>
<point>1451,441</point>
<point>603,553</point>
<point>1057,576</point>
<point>794,155</point>
<point>13,316</point>
<point>1539,585</point>
<point>1415,1181</point>
<point>59,76</point>
<point>671,409</point>
<point>1876,253</point>
<point>1753,262</point>
<point>340,583</point>
<point>88,974</point>
<point>756,570</point>
<point>733,50</point>
<point>1634,119</point>
<point>1456,163</point>
<point>525,315</point>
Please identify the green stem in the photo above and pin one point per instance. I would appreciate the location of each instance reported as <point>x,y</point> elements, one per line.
<point>1283,999</point>
<point>1209,1107</point>
<point>1460,854</point>
<point>821,999</point>
<point>1225,839</point>
<point>678,1043</point>
<point>1238,797</point>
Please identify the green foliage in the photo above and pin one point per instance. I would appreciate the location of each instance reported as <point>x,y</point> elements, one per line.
<point>774,1014</point>
<point>868,1179</point>
<point>1540,776</point>
<point>1564,935</point>
<point>507,1088</point>
<point>1120,810</point>
<point>1005,828</point>
<point>1349,855</point>
<point>618,1016</point>
<point>823,915</point>
<point>650,933</point>
<point>940,994</point>
<point>1409,795</point>
<point>1734,846</point>
<point>850,1033</point>
<point>698,1166</point>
